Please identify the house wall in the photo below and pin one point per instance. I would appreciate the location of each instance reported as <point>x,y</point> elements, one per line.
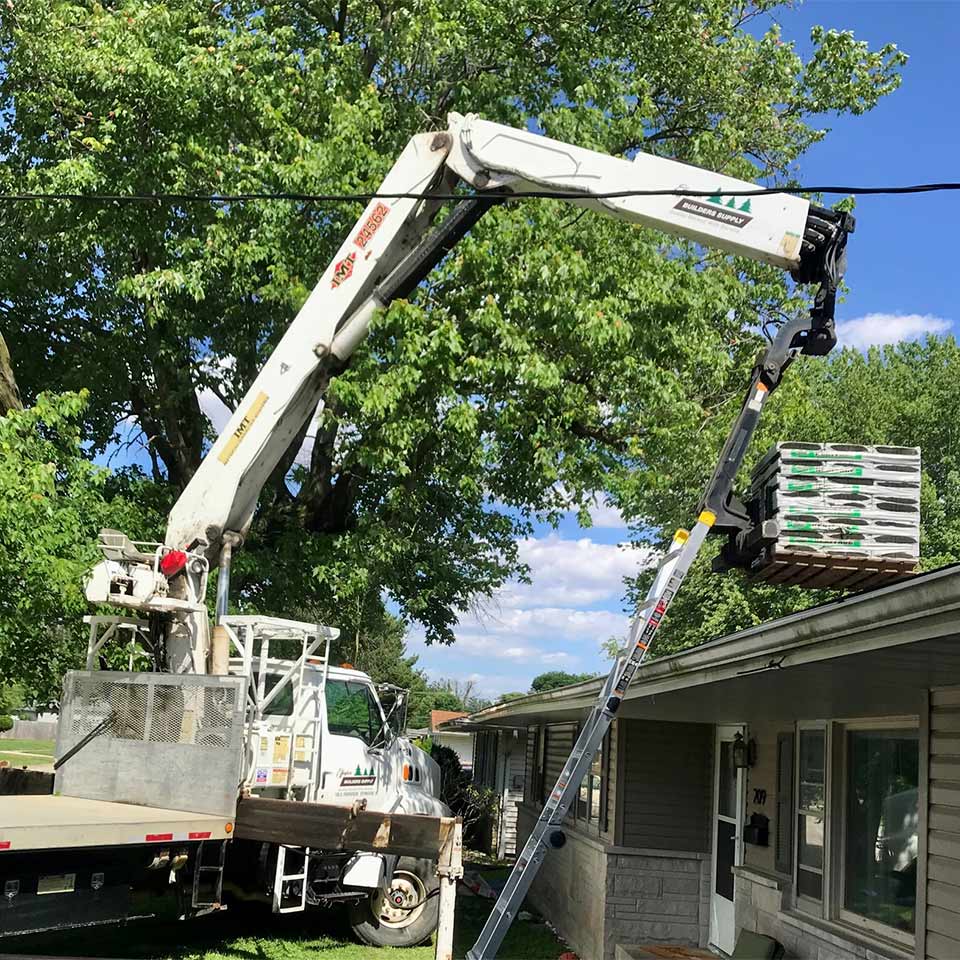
<point>668,782</point>
<point>511,790</point>
<point>656,896</point>
<point>654,893</point>
<point>566,890</point>
<point>762,790</point>
<point>460,743</point>
<point>651,895</point>
<point>609,830</point>
<point>941,893</point>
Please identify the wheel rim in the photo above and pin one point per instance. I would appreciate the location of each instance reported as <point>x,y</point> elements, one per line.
<point>406,889</point>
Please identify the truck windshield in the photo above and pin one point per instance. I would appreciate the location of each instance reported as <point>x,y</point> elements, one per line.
<point>352,710</point>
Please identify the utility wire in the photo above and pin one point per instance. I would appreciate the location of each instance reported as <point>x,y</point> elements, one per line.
<point>518,195</point>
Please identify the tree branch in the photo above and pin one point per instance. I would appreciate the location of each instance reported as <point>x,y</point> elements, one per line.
<point>9,394</point>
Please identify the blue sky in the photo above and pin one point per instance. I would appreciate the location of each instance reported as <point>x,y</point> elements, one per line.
<point>902,269</point>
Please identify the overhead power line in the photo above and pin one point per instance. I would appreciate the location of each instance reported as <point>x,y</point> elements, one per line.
<point>518,195</point>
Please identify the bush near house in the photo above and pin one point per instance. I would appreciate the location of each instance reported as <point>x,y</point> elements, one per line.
<point>6,723</point>
<point>475,805</point>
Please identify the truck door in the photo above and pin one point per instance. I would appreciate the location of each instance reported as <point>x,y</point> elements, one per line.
<point>355,761</point>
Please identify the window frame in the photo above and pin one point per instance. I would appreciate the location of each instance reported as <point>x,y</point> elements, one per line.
<point>599,822</point>
<point>808,904</point>
<point>371,701</point>
<point>840,912</point>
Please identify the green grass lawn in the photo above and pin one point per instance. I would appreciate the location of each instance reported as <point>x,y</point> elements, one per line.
<point>251,932</point>
<point>13,751</point>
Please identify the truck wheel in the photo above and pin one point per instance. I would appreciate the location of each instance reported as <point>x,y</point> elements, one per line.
<point>388,921</point>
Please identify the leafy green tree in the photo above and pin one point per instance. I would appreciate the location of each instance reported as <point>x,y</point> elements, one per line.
<point>898,394</point>
<point>53,502</point>
<point>551,352</point>
<point>11,697</point>
<point>513,695</point>
<point>434,697</point>
<point>557,678</point>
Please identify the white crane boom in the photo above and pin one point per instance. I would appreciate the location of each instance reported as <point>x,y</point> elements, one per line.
<point>496,159</point>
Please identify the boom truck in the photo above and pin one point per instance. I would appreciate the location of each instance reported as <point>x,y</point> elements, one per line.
<point>206,773</point>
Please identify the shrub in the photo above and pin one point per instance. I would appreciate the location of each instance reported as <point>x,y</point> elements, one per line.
<point>6,723</point>
<point>475,805</point>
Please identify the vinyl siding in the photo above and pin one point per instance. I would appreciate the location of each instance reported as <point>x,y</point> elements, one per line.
<point>667,783</point>
<point>560,740</point>
<point>530,765</point>
<point>611,771</point>
<point>942,899</point>
<point>512,795</point>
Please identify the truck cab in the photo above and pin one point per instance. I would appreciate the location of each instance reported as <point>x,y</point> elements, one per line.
<point>344,746</point>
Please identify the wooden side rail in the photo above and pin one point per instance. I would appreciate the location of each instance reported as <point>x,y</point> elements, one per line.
<point>327,827</point>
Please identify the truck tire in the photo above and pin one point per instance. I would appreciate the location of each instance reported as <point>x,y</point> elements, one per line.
<point>380,921</point>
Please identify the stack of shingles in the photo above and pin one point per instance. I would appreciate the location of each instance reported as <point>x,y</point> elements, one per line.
<point>845,514</point>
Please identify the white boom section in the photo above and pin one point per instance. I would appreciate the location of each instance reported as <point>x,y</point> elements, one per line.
<point>222,494</point>
<point>767,228</point>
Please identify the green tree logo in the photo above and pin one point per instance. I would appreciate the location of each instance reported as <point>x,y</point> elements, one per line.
<point>730,202</point>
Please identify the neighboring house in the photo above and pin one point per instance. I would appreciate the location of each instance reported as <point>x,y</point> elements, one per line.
<point>461,742</point>
<point>499,759</point>
<point>850,719</point>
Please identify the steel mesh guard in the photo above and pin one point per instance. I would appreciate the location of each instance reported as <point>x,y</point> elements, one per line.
<point>175,741</point>
<point>151,707</point>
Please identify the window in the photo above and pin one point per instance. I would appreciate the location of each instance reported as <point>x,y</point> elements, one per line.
<point>811,812</point>
<point>591,797</point>
<point>880,830</point>
<point>857,820</point>
<point>352,710</point>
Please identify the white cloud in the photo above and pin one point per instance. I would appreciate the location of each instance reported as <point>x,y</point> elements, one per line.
<point>876,329</point>
<point>573,573</point>
<point>558,621</point>
<point>606,515</point>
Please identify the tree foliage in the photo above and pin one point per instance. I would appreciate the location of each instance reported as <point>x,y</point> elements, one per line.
<point>552,355</point>
<point>557,678</point>
<point>899,394</point>
<point>53,502</point>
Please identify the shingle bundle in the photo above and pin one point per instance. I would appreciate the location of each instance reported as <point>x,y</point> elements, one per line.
<point>837,514</point>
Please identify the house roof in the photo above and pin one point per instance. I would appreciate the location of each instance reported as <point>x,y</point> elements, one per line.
<point>911,611</point>
<point>442,716</point>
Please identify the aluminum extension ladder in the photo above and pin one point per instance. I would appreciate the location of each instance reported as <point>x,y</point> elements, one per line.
<point>548,830</point>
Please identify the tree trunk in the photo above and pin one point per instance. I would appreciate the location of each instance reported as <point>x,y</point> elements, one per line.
<point>9,394</point>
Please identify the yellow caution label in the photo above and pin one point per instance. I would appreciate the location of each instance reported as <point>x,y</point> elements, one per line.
<point>230,447</point>
<point>708,517</point>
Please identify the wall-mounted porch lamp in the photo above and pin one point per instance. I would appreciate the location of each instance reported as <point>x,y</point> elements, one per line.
<point>744,753</point>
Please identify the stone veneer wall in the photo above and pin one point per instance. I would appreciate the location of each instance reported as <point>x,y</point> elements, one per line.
<point>759,903</point>
<point>656,896</point>
<point>651,895</point>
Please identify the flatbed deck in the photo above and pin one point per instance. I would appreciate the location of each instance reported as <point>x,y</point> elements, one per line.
<point>56,822</point>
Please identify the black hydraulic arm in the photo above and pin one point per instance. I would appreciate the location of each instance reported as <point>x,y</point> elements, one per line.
<point>822,262</point>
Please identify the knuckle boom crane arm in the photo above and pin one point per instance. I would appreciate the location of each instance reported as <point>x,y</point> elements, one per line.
<point>387,254</point>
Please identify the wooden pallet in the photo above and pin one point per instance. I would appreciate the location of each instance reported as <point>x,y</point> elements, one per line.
<point>816,570</point>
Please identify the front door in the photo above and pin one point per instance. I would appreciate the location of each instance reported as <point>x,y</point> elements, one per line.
<point>727,847</point>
